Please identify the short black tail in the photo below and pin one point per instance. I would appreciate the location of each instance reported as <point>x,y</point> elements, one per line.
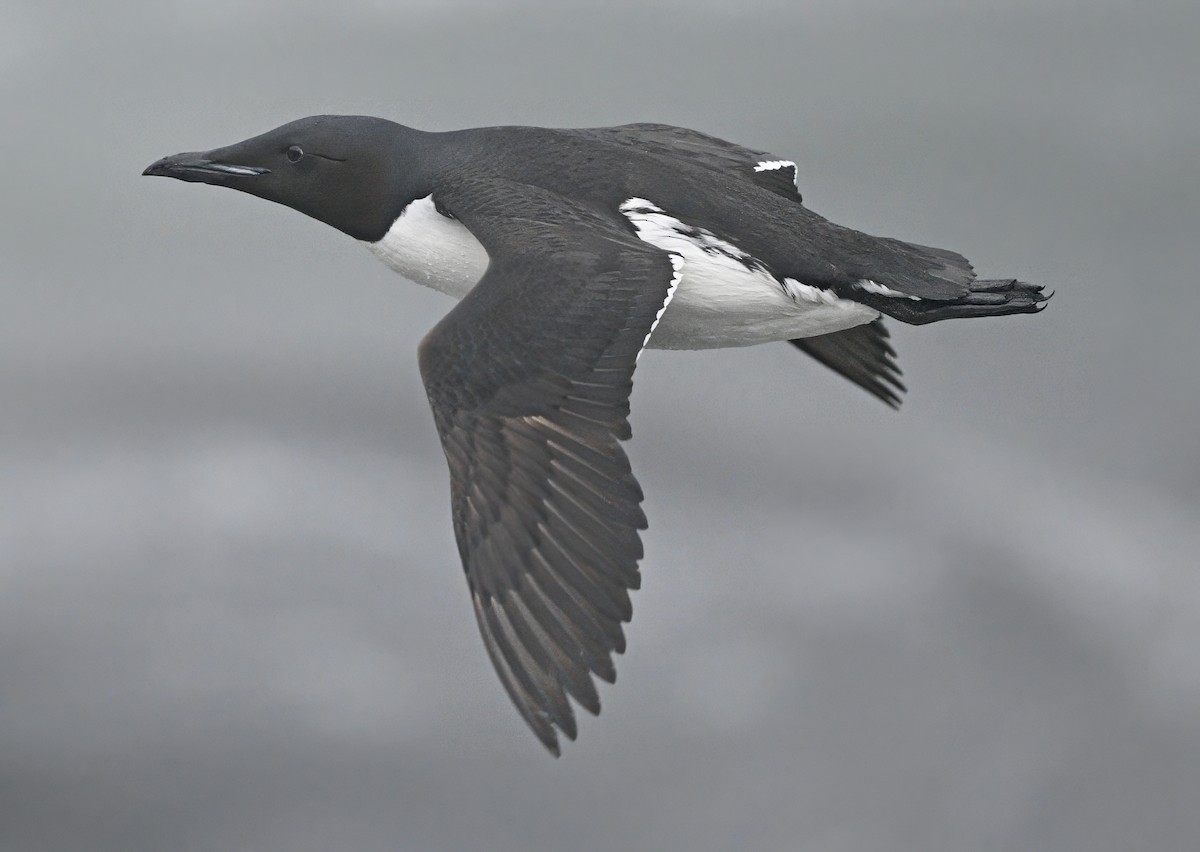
<point>991,298</point>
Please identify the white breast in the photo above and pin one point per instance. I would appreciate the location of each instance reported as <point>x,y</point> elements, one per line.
<point>723,298</point>
<point>432,249</point>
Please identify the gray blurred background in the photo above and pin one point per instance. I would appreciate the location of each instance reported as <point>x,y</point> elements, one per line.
<point>231,611</point>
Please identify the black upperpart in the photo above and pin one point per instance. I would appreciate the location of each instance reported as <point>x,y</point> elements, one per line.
<point>356,173</point>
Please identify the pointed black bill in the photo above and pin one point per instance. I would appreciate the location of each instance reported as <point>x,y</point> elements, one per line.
<point>195,166</point>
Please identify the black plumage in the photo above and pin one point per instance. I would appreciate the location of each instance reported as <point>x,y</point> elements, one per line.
<point>529,377</point>
<point>863,355</point>
<point>529,380</point>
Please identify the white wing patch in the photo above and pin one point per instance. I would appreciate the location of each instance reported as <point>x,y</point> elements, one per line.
<point>676,277</point>
<point>810,294</point>
<point>659,228</point>
<point>775,165</point>
<point>728,297</point>
<point>869,286</point>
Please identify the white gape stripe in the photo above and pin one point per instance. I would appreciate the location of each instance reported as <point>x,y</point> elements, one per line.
<point>242,170</point>
<point>870,286</point>
<point>676,277</point>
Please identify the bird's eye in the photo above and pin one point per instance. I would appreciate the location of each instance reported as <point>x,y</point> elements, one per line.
<point>294,153</point>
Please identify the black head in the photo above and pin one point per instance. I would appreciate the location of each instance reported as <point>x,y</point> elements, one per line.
<point>354,172</point>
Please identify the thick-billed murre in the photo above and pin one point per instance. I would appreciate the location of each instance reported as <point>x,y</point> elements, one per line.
<point>571,251</point>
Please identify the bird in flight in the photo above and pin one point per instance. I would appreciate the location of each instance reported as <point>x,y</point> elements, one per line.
<point>572,250</point>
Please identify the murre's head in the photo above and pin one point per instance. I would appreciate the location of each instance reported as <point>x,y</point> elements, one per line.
<point>353,172</point>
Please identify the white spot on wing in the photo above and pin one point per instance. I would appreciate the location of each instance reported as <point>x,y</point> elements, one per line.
<point>870,286</point>
<point>775,165</point>
<point>812,295</point>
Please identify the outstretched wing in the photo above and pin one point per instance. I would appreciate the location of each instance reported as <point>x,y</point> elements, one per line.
<point>760,167</point>
<point>529,380</point>
<point>863,354</point>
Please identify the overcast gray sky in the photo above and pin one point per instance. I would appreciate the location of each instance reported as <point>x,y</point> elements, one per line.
<point>231,611</point>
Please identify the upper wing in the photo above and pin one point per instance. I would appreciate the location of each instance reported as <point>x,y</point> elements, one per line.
<point>760,167</point>
<point>820,250</point>
<point>529,380</point>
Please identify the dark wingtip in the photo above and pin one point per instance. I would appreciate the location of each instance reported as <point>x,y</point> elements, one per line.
<point>863,355</point>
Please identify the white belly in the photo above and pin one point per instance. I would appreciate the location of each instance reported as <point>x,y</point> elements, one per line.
<point>721,301</point>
